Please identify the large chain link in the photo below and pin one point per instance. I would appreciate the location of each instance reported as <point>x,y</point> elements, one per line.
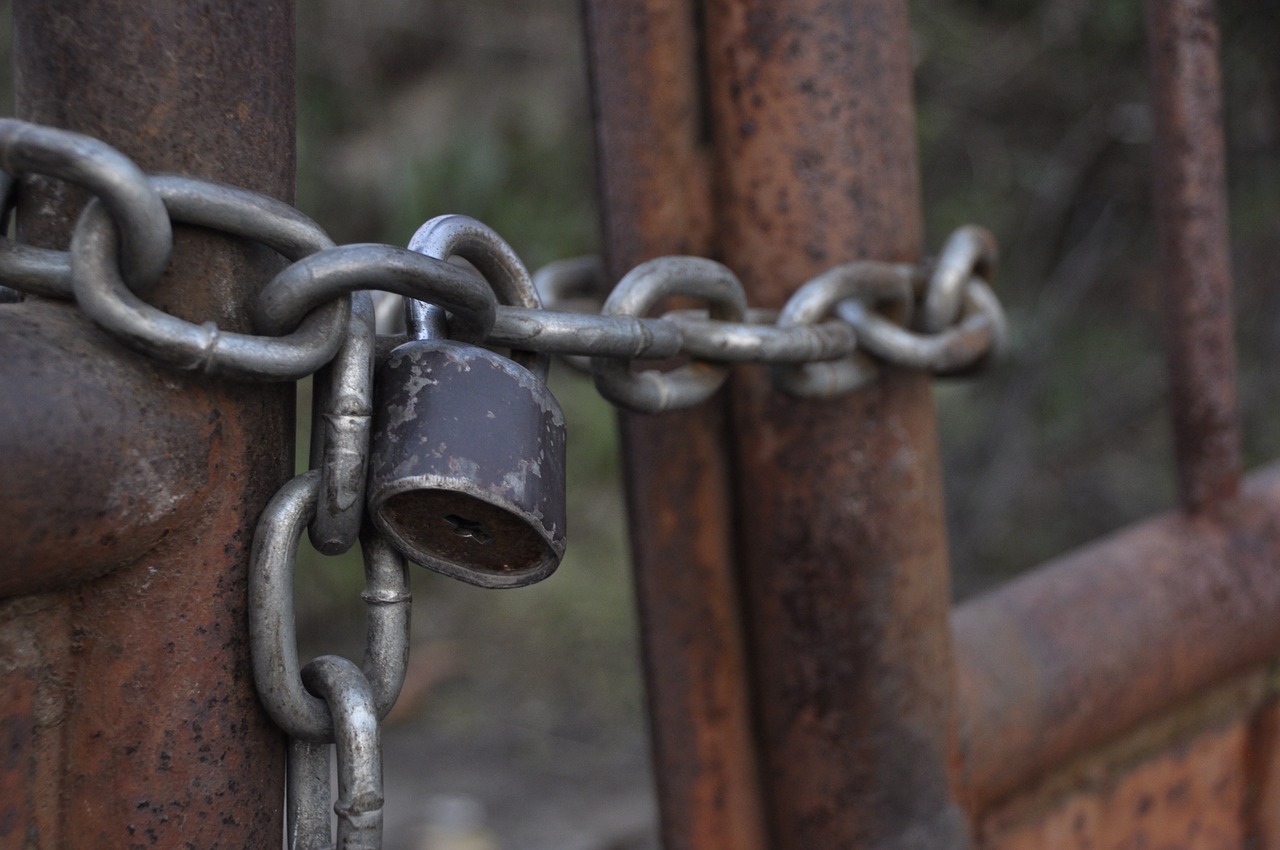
<point>316,316</point>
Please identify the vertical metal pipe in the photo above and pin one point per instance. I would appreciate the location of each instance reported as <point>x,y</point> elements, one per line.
<point>133,720</point>
<point>1194,254</point>
<point>840,516</point>
<point>655,192</point>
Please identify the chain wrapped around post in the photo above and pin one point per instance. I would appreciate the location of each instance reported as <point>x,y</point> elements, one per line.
<point>382,471</point>
<point>847,319</point>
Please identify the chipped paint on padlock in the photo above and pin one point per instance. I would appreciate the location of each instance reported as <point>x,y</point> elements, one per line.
<point>467,469</point>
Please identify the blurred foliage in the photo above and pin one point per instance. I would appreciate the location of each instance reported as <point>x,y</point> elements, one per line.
<point>1034,121</point>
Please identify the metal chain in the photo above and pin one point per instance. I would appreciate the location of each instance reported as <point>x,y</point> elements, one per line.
<point>828,340</point>
<point>331,700</point>
<point>316,316</point>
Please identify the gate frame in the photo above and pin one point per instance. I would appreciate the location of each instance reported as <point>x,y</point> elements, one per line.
<point>716,124</point>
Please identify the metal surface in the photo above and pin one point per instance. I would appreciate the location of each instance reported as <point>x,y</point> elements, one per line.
<point>467,470</point>
<point>645,286</point>
<point>758,339</point>
<point>358,745</point>
<point>656,199</point>
<point>1194,254</point>
<point>839,514</point>
<point>128,712</point>
<point>586,333</point>
<point>1194,792</point>
<point>86,434</point>
<point>102,293</point>
<point>970,251</point>
<point>387,602</point>
<point>1090,644</point>
<point>28,269</point>
<point>309,807</point>
<point>272,623</point>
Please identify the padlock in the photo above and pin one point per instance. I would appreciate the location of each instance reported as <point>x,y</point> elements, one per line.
<point>466,473</point>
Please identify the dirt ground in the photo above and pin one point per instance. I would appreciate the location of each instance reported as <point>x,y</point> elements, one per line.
<point>516,788</point>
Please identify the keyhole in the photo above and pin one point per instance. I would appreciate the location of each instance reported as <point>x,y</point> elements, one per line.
<point>469,529</point>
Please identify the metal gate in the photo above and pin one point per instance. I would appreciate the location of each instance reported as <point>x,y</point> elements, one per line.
<point>810,684</point>
<point>804,667</point>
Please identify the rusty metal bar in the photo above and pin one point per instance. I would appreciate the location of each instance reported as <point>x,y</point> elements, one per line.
<point>840,517</point>
<point>1092,643</point>
<point>1194,254</point>
<point>129,716</point>
<point>1098,640</point>
<point>655,197</point>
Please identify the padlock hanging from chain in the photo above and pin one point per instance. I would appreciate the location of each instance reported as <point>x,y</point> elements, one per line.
<point>467,466</point>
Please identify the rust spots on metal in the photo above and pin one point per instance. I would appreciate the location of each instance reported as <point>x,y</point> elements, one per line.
<point>1262,776</point>
<point>694,659</point>
<point>105,452</point>
<point>1190,794</point>
<point>656,200</point>
<point>654,177</point>
<point>813,122</point>
<point>1194,254</point>
<point>131,718</point>
<point>839,511</point>
<point>1091,644</point>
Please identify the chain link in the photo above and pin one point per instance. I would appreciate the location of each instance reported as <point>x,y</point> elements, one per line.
<point>643,287</point>
<point>358,746</point>
<point>880,286</point>
<point>308,796</point>
<point>341,422</point>
<point>145,234</point>
<point>448,236</point>
<point>276,667</point>
<point>102,292</point>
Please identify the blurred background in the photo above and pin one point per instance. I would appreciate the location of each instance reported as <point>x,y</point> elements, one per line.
<point>524,711</point>
<point>522,722</point>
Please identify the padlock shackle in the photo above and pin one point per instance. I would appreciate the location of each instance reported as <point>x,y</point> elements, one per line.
<point>447,236</point>
<point>424,320</point>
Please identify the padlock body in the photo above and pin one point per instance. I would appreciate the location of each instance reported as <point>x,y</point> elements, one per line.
<point>466,470</point>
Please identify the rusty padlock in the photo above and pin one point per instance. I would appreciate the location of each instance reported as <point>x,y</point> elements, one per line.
<point>466,471</point>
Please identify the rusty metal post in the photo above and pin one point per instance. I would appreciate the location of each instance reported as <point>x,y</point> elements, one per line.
<point>840,516</point>
<point>129,716</point>
<point>655,189</point>
<point>1194,255</point>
